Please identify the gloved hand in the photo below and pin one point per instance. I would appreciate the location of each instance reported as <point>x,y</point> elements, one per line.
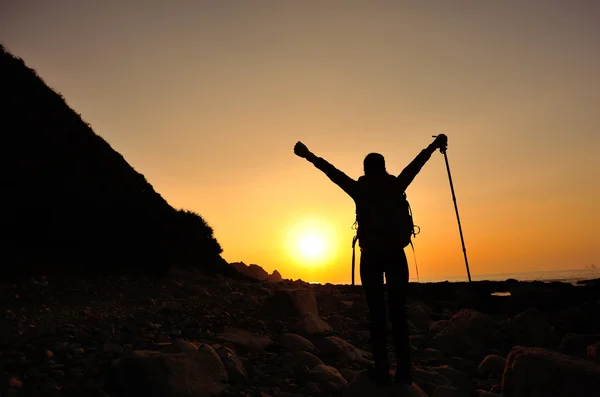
<point>301,150</point>
<point>441,142</point>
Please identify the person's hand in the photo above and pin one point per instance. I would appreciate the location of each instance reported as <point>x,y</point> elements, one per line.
<point>441,142</point>
<point>301,150</point>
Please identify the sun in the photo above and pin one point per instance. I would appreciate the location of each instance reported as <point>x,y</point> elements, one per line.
<point>311,242</point>
<point>311,245</point>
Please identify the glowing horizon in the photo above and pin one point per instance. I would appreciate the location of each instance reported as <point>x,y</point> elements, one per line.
<point>207,100</point>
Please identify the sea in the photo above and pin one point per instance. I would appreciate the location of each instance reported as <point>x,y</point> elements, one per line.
<point>565,276</point>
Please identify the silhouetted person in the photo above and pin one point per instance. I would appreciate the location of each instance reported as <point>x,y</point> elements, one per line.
<point>376,196</point>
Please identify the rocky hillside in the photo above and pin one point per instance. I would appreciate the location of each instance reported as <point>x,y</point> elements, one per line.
<point>71,202</point>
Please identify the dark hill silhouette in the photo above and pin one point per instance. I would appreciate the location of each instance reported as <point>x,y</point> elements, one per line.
<point>73,203</point>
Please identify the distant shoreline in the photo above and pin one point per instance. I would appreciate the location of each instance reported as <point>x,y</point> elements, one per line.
<point>565,276</point>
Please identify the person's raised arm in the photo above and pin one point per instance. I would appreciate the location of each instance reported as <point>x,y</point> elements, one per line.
<point>409,173</point>
<point>347,184</point>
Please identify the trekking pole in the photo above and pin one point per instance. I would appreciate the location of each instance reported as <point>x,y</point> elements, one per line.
<point>462,240</point>
<point>353,257</point>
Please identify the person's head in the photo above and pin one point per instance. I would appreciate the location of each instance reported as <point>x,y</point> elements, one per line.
<point>374,164</point>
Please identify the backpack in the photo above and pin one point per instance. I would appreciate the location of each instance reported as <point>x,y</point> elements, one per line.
<point>383,212</point>
<point>383,215</point>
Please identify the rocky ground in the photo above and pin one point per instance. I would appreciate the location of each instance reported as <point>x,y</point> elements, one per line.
<point>193,335</point>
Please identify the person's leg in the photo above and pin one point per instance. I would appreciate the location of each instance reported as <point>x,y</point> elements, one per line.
<point>371,275</point>
<point>396,274</point>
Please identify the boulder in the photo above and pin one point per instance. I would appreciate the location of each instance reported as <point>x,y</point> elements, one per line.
<point>488,384</point>
<point>464,335</point>
<point>243,338</point>
<point>432,357</point>
<point>328,378</point>
<point>275,277</point>
<point>475,323</point>
<point>447,391</point>
<point>593,352</point>
<point>530,328</point>
<point>363,386</point>
<point>492,366</point>
<point>236,372</point>
<point>254,271</point>
<point>457,379</point>
<point>438,327</point>
<point>348,374</point>
<point>181,346</point>
<point>151,373</point>
<point>337,349</point>
<point>294,343</point>
<point>302,359</point>
<point>454,341</point>
<point>419,315</point>
<point>429,375</point>
<point>539,372</point>
<point>301,305</point>
<point>577,344</point>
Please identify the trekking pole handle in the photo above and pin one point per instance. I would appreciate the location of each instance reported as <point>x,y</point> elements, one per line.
<point>442,150</point>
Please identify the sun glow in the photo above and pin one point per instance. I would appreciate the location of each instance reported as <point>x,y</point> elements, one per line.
<point>311,242</point>
<point>311,246</point>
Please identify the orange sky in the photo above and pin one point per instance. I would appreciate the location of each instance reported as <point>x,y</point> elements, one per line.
<point>207,99</point>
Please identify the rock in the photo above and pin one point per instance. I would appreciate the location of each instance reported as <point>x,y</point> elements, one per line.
<point>464,335</point>
<point>253,271</point>
<point>362,386</point>
<point>311,389</point>
<point>328,378</point>
<point>593,352</point>
<point>181,346</point>
<point>474,323</point>
<point>487,384</point>
<point>152,373</point>
<point>447,391</point>
<point>294,343</point>
<point>531,329</point>
<point>300,359</point>
<point>438,326</point>
<point>336,348</point>
<point>454,341</point>
<point>419,315</point>
<point>576,344</point>
<point>432,353</point>
<point>431,376</point>
<point>456,378</point>
<point>348,374</point>
<point>256,272</point>
<point>275,277</point>
<point>236,372</point>
<point>464,296</point>
<point>541,372</point>
<point>427,387</point>
<point>300,304</point>
<point>345,305</point>
<point>15,382</point>
<point>245,339</point>
<point>492,366</point>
